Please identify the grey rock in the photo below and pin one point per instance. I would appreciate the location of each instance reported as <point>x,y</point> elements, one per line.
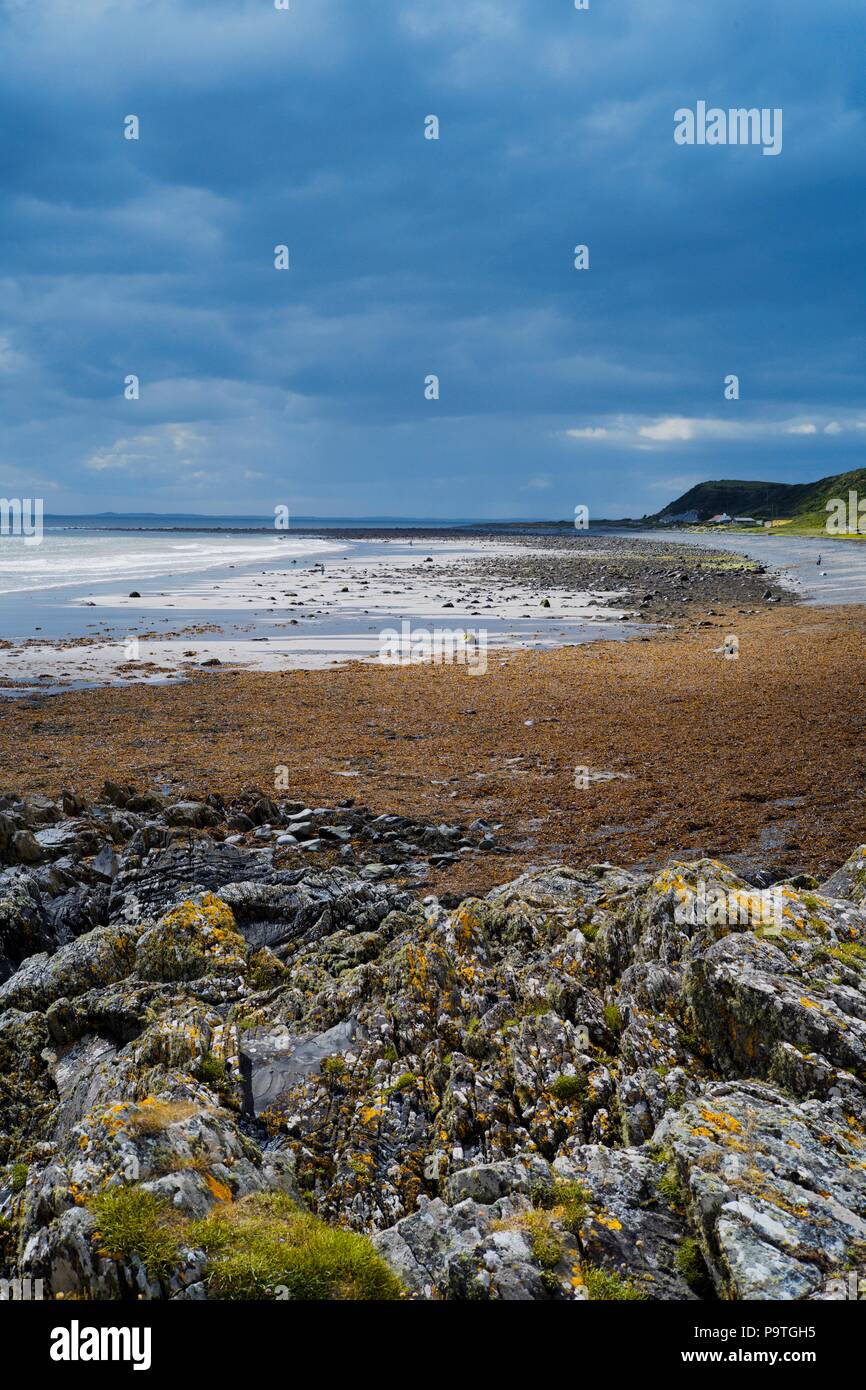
<point>575,1073</point>
<point>630,1228</point>
<point>105,863</point>
<point>776,1191</point>
<point>849,882</point>
<point>25,847</point>
<point>469,1251</point>
<point>142,892</point>
<point>79,910</point>
<point>486,1183</point>
<point>272,1065</point>
<point>98,958</point>
<point>24,929</point>
<point>191,813</point>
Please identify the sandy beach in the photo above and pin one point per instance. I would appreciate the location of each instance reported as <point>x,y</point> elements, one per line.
<point>635,698</point>
<point>320,614</point>
<point>331,600</point>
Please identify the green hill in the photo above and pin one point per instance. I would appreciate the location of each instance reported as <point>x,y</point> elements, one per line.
<point>802,503</point>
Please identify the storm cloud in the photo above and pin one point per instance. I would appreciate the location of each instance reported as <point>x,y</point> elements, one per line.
<point>411,257</point>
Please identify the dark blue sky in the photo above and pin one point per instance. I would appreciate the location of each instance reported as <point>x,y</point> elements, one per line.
<point>410,257</point>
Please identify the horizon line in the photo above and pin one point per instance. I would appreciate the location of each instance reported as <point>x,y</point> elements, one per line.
<point>314,516</point>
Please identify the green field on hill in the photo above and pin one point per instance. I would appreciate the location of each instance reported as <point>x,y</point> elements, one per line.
<point>802,506</point>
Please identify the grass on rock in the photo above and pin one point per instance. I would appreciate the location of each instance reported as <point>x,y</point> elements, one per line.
<point>265,1246</point>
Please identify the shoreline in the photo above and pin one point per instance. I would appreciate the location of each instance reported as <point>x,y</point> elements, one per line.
<point>325,609</point>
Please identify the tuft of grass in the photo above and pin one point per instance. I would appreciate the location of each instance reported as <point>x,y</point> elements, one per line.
<point>407,1082</point>
<point>153,1116</point>
<point>546,1245</point>
<point>670,1188</point>
<point>265,1246</point>
<point>568,1088</point>
<point>544,1240</point>
<point>692,1266</point>
<point>8,1240</point>
<point>212,1071</point>
<point>850,953</point>
<point>134,1223</point>
<point>19,1176</point>
<point>334,1066</point>
<point>604,1287</point>
<point>613,1019</point>
<point>266,970</point>
<point>567,1202</point>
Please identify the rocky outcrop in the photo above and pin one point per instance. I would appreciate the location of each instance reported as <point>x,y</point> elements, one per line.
<point>592,1084</point>
<point>775,1192</point>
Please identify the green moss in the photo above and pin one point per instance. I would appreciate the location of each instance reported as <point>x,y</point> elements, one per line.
<point>265,1244</point>
<point>670,1188</point>
<point>850,953</point>
<point>613,1019</point>
<point>407,1082</point>
<point>568,1088</point>
<point>692,1266</point>
<point>545,1241</point>
<point>693,1043</point>
<point>855,1255</point>
<point>265,970</point>
<point>192,940</point>
<point>212,1071</point>
<point>811,902</point>
<point>19,1176</point>
<point>8,1241</point>
<point>245,1020</point>
<point>603,1287</point>
<point>134,1223</point>
<point>566,1200</point>
<point>547,1247</point>
<point>334,1066</point>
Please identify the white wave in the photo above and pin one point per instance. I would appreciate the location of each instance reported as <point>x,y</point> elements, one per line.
<point>64,561</point>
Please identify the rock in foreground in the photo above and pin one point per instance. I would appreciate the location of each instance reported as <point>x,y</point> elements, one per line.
<point>221,1078</point>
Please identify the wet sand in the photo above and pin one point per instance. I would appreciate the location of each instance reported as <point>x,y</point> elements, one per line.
<point>533,592</point>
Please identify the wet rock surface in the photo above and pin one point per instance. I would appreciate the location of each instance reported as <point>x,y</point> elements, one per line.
<point>658,580</point>
<point>591,1083</point>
